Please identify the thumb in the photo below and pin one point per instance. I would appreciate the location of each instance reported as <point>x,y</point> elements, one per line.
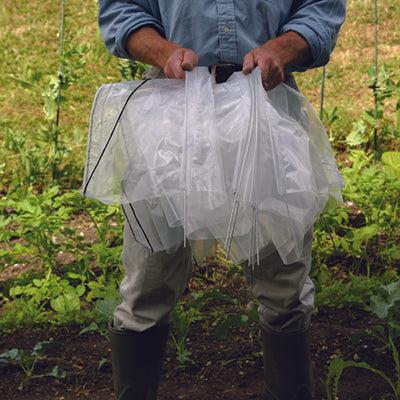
<point>189,60</point>
<point>248,63</point>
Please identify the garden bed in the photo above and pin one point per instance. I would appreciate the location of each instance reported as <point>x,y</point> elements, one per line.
<point>222,369</point>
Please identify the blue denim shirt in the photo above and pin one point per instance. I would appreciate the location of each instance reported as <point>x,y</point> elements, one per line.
<point>224,30</point>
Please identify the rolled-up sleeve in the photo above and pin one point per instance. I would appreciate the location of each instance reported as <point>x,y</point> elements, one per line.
<point>318,22</point>
<point>119,19</point>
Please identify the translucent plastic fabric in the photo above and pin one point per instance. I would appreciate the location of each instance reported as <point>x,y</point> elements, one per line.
<point>193,160</point>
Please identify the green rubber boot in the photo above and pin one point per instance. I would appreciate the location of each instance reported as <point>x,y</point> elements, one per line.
<point>136,362</point>
<point>287,366</point>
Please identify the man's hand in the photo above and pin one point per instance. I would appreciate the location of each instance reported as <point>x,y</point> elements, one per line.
<point>270,63</point>
<point>148,46</point>
<point>179,61</point>
<point>275,55</point>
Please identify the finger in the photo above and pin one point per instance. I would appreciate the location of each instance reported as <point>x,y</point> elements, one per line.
<point>173,68</point>
<point>248,63</point>
<point>178,71</point>
<point>264,64</point>
<point>271,74</point>
<point>174,72</point>
<point>189,61</point>
<point>180,61</point>
<point>271,85</point>
<point>273,81</point>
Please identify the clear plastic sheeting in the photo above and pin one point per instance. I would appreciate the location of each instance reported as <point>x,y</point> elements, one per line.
<point>204,162</point>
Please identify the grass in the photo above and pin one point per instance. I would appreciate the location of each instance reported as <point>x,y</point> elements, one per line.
<point>346,84</point>
<point>30,35</point>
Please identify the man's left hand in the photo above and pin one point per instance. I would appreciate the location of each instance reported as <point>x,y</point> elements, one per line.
<point>270,63</point>
<point>275,55</point>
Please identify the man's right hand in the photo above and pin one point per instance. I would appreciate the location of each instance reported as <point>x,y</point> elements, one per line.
<point>179,61</point>
<point>148,46</point>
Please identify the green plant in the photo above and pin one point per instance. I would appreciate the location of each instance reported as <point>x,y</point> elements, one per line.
<point>44,301</point>
<point>40,223</point>
<point>356,292</point>
<point>374,129</point>
<point>249,320</point>
<point>131,70</point>
<point>331,119</point>
<point>50,149</point>
<point>58,292</point>
<point>27,360</point>
<point>103,314</point>
<point>100,290</point>
<point>370,237</point>
<point>185,314</point>
<point>386,305</point>
<point>335,370</point>
<point>391,162</point>
<point>19,314</point>
<point>40,220</point>
<point>326,230</point>
<point>180,323</point>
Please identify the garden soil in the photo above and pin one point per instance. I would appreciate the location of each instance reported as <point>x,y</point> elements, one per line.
<point>229,369</point>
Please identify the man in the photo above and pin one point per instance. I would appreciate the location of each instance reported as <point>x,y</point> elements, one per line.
<point>227,35</point>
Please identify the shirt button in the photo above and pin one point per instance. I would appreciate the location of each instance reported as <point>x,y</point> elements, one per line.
<point>227,29</point>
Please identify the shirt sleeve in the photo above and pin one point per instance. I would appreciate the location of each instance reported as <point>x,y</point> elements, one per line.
<point>318,22</point>
<point>118,19</point>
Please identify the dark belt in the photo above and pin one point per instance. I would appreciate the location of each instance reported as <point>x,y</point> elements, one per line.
<point>221,72</point>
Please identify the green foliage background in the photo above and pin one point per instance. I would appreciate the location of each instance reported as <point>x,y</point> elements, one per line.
<point>69,247</point>
<point>43,153</point>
